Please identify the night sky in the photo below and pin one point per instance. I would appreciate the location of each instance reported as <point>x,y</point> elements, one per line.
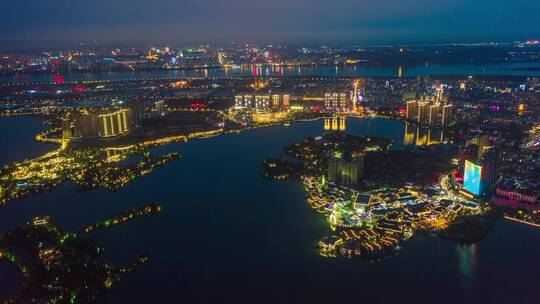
<point>304,21</point>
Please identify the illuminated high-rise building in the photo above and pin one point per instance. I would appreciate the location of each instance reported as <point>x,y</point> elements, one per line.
<point>444,100</point>
<point>262,101</point>
<point>472,179</point>
<point>434,111</point>
<point>429,99</point>
<point>243,101</point>
<point>286,101</point>
<point>238,101</point>
<point>474,150</point>
<point>68,128</point>
<point>423,112</point>
<point>138,111</point>
<point>248,101</point>
<point>351,171</point>
<point>469,152</point>
<point>412,110</point>
<point>336,102</point>
<point>481,175</point>
<point>409,95</point>
<point>446,115</point>
<point>98,123</point>
<point>480,163</point>
<point>491,163</point>
<point>346,172</point>
<point>438,95</point>
<point>483,144</point>
<point>114,123</point>
<point>334,168</point>
<point>355,93</point>
<point>429,109</point>
<point>276,101</point>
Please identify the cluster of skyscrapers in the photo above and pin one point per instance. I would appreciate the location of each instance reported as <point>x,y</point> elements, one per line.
<point>89,123</point>
<point>332,100</point>
<point>429,109</point>
<point>107,119</point>
<point>262,101</point>
<point>339,102</point>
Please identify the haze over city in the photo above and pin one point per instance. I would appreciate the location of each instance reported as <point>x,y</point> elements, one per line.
<point>139,22</point>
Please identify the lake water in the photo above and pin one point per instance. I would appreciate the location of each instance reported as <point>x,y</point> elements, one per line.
<point>17,139</point>
<point>227,236</point>
<point>363,70</point>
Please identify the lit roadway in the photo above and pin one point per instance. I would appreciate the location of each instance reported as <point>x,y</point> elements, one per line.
<point>448,188</point>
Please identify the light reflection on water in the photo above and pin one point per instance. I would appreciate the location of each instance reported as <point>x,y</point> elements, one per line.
<point>214,197</point>
<point>422,136</point>
<point>467,262</point>
<point>413,136</point>
<point>365,70</point>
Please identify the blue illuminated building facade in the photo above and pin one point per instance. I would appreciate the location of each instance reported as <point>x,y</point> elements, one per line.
<point>472,180</point>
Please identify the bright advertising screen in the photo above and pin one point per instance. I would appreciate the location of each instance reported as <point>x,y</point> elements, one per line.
<point>472,181</point>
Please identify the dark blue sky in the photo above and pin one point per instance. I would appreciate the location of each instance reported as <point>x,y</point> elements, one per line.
<point>180,21</point>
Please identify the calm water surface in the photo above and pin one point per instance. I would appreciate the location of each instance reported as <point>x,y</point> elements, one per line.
<point>17,139</point>
<point>226,235</point>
